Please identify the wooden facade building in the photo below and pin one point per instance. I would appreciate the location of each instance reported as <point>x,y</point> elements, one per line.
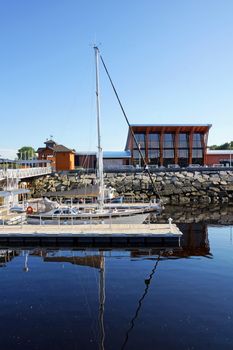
<point>165,145</point>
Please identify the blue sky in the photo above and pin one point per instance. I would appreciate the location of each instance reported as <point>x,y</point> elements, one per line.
<point>171,61</point>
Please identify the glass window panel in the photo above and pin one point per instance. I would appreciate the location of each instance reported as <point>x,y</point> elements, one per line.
<point>153,153</point>
<point>168,153</point>
<point>153,140</point>
<point>197,140</point>
<point>168,140</point>
<point>197,153</point>
<point>183,153</point>
<point>183,140</point>
<point>136,154</point>
<point>141,139</point>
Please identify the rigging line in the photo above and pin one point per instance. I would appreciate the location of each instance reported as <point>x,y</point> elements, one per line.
<point>132,322</point>
<point>131,130</point>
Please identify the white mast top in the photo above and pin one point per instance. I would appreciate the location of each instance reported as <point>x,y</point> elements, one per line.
<point>100,150</point>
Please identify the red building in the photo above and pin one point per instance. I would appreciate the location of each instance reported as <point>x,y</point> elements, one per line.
<point>219,157</point>
<point>169,144</point>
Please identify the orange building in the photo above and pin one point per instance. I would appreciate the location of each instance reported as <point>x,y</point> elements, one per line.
<point>61,157</point>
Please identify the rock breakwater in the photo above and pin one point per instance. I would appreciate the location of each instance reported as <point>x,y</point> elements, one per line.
<point>174,187</point>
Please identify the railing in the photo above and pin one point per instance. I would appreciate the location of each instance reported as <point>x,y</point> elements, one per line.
<point>24,173</point>
<point>2,174</point>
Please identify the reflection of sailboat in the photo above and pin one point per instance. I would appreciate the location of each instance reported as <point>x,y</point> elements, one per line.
<point>26,268</point>
<point>96,261</point>
<point>102,300</point>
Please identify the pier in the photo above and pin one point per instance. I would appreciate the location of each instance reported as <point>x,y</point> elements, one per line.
<point>162,234</point>
<point>10,179</point>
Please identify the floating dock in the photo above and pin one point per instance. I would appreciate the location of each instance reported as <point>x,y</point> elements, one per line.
<point>145,234</point>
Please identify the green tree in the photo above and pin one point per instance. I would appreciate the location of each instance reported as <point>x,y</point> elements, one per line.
<point>224,146</point>
<point>26,153</point>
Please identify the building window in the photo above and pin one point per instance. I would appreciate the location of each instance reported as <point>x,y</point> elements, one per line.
<point>136,154</point>
<point>168,153</point>
<point>153,156</point>
<point>153,140</point>
<point>183,153</point>
<point>197,149</point>
<point>141,139</point>
<point>168,149</point>
<point>197,153</point>
<point>183,149</point>
<point>153,153</point>
<point>168,141</point>
<point>197,140</point>
<point>183,140</point>
<point>153,148</point>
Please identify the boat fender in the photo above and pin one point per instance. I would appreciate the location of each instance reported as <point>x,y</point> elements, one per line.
<point>29,210</point>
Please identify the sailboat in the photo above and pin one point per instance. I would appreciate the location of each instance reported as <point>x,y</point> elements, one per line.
<point>100,213</point>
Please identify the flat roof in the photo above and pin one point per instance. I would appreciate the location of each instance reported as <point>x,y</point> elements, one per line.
<point>218,151</point>
<point>209,125</point>
<point>117,154</point>
<point>85,153</point>
<point>107,154</point>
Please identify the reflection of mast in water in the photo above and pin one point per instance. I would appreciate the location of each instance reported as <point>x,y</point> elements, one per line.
<point>102,300</point>
<point>26,268</point>
<point>147,283</point>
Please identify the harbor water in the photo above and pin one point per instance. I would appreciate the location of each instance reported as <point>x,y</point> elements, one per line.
<point>123,298</point>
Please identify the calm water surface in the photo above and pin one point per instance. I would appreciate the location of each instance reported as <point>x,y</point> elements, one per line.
<point>136,298</point>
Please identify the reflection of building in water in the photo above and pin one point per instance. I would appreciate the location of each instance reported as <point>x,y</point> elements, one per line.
<point>91,261</point>
<point>194,242</point>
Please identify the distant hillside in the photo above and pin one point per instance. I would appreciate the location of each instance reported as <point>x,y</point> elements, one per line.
<point>226,145</point>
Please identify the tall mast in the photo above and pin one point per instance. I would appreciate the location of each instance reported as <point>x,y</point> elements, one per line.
<point>100,173</point>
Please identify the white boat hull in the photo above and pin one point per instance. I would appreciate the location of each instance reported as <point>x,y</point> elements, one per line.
<point>136,218</point>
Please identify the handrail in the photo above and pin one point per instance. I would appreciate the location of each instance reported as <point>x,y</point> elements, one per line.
<point>23,173</point>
